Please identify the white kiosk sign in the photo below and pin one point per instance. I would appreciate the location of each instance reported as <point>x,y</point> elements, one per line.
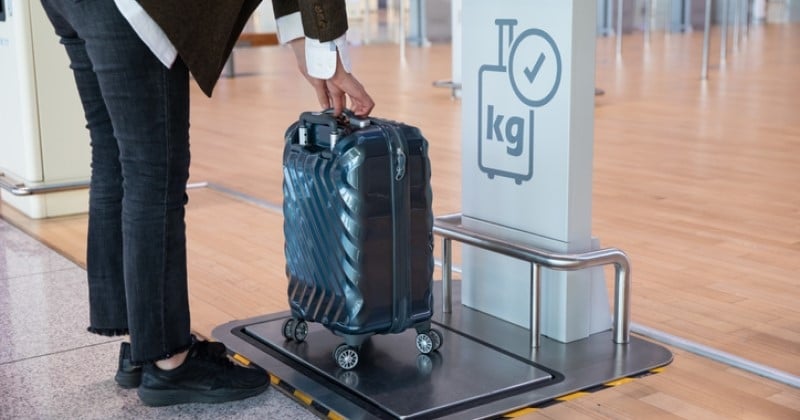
<point>527,127</point>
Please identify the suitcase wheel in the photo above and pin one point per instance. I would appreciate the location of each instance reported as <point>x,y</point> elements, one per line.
<point>288,329</point>
<point>296,330</point>
<point>429,341</point>
<point>300,331</point>
<point>437,338</point>
<point>346,356</point>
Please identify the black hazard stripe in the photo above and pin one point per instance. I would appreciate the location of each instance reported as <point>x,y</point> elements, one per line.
<point>569,397</point>
<point>294,393</point>
<point>304,398</point>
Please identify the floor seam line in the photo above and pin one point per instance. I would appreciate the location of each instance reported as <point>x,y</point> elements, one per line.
<point>25,359</point>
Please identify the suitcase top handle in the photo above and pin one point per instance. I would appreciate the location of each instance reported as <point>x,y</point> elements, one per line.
<point>347,118</point>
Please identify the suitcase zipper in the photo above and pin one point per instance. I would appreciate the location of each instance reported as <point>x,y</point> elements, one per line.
<point>400,273</point>
<point>395,142</point>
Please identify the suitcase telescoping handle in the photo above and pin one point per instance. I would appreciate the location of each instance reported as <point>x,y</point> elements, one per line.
<point>317,118</point>
<point>326,118</point>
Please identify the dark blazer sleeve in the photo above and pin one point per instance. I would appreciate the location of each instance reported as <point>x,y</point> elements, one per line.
<point>284,7</point>
<point>203,31</point>
<point>324,20</point>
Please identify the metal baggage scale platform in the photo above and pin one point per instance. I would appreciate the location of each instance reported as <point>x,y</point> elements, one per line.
<point>527,141</point>
<point>485,368</point>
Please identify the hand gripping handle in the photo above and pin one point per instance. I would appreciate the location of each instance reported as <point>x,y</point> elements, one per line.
<point>346,119</point>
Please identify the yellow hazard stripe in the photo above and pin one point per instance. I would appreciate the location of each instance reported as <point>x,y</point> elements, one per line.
<point>304,398</point>
<point>570,397</point>
<point>520,413</point>
<point>241,359</point>
<point>619,382</point>
<point>335,416</point>
<point>578,394</point>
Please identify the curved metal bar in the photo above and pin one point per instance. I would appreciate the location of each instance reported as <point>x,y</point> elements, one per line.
<point>7,184</point>
<point>450,226</point>
<point>20,189</point>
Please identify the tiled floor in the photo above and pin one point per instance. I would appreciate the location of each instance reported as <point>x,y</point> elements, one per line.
<point>50,368</point>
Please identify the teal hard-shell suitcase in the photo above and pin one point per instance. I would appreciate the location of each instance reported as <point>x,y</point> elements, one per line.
<point>358,227</point>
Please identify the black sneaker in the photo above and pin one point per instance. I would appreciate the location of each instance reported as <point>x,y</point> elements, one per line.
<point>128,375</point>
<point>207,376</point>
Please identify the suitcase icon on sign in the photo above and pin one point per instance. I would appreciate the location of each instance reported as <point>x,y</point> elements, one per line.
<point>507,96</point>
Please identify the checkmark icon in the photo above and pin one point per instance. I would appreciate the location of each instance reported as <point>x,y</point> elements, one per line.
<point>531,73</point>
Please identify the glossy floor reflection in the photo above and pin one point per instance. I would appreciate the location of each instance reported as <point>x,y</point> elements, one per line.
<point>51,368</point>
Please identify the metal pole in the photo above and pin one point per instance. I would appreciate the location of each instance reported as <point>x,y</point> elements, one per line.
<point>745,18</point>
<point>619,28</point>
<point>622,304</point>
<point>723,44</point>
<point>365,23</point>
<point>748,17</point>
<point>447,275</point>
<point>648,8</point>
<point>536,300</point>
<point>416,20</point>
<point>402,21</point>
<point>687,16</point>
<point>706,40</point>
<point>608,17</point>
<point>391,29</point>
<point>668,17</point>
<point>737,11</point>
<point>230,67</point>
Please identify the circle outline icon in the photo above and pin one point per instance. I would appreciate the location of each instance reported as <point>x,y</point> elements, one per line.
<point>512,55</point>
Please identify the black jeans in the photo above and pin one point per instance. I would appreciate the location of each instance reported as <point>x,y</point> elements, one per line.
<point>137,113</point>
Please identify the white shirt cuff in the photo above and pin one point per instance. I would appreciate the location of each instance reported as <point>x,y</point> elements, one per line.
<point>321,57</point>
<point>289,27</point>
<point>149,32</point>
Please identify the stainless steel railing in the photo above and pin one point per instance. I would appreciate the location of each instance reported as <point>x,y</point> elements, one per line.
<point>18,188</point>
<point>449,227</point>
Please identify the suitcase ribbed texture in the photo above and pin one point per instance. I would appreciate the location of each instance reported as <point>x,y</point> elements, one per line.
<point>324,270</point>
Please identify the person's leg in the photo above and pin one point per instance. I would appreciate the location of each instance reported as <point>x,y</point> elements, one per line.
<point>139,179</point>
<point>108,310</point>
<point>148,108</point>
